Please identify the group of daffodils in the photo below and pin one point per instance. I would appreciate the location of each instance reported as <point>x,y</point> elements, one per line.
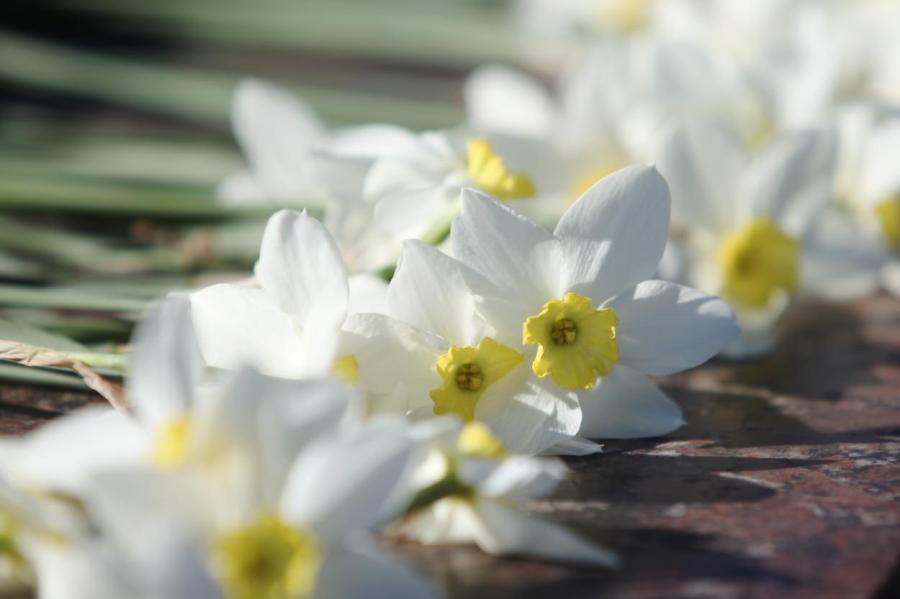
<point>457,305</point>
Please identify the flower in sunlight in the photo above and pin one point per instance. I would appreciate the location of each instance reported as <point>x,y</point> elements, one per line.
<point>415,194</point>
<point>468,489</point>
<point>579,304</point>
<point>855,243</point>
<point>466,372</point>
<point>306,318</point>
<point>607,110</point>
<point>741,225</point>
<point>293,160</point>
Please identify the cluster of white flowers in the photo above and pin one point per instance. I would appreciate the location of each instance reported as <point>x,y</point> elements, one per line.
<point>471,299</point>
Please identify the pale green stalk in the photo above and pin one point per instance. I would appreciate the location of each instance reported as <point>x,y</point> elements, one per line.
<point>184,92</point>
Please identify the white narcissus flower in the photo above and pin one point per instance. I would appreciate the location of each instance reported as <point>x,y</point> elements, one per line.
<point>415,193</point>
<point>609,110</point>
<point>306,319</point>
<point>468,489</point>
<point>855,244</point>
<point>578,305</point>
<point>294,161</point>
<point>298,528</point>
<point>468,373</point>
<point>741,223</point>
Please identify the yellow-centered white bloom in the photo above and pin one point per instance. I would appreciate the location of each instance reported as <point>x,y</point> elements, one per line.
<point>306,318</point>
<point>741,225</point>
<point>607,111</point>
<point>856,242</point>
<point>468,489</point>
<point>466,372</point>
<point>576,302</point>
<point>415,193</point>
<point>293,160</point>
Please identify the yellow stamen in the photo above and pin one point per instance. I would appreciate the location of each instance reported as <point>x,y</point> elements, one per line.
<point>489,173</point>
<point>172,443</point>
<point>465,374</point>
<point>267,559</point>
<point>758,261</point>
<point>576,342</point>
<point>478,441</point>
<point>888,213</point>
<point>346,369</point>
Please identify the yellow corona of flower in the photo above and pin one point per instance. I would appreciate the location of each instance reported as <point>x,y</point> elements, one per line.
<point>757,261</point>
<point>487,170</point>
<point>576,342</point>
<point>888,213</point>
<point>466,372</point>
<point>171,444</point>
<point>346,368</point>
<point>477,440</point>
<point>267,559</point>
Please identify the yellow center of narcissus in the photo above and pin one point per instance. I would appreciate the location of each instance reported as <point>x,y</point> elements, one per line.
<point>172,443</point>
<point>346,368</point>
<point>477,440</point>
<point>267,559</point>
<point>757,261</point>
<point>576,342</point>
<point>888,214</point>
<point>466,372</point>
<point>488,172</point>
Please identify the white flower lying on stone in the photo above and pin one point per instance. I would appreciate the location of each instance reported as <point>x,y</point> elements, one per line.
<point>740,224</point>
<point>578,304</point>
<point>468,489</point>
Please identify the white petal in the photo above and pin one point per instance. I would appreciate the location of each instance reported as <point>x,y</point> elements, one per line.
<point>166,362</point>
<point>428,291</point>
<point>665,328</point>
<point>300,266</point>
<point>792,180</point>
<point>526,413</point>
<point>520,478</point>
<point>890,277</point>
<point>500,99</point>
<point>840,261</point>
<point>627,405</point>
<point>275,131</point>
<point>63,454</point>
<point>615,234</point>
<point>371,142</point>
<point>340,485</point>
<point>880,177</point>
<point>370,575</point>
<point>389,352</point>
<point>238,325</point>
<point>574,446</point>
<point>413,213</point>
<point>269,421</point>
<point>368,293</point>
<point>750,345</point>
<point>510,532</point>
<point>702,164</point>
<point>79,570</point>
<point>515,257</point>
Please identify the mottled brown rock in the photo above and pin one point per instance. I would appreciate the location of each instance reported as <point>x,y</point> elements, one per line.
<point>785,483</point>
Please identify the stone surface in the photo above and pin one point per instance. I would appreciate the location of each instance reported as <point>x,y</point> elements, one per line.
<point>785,482</point>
